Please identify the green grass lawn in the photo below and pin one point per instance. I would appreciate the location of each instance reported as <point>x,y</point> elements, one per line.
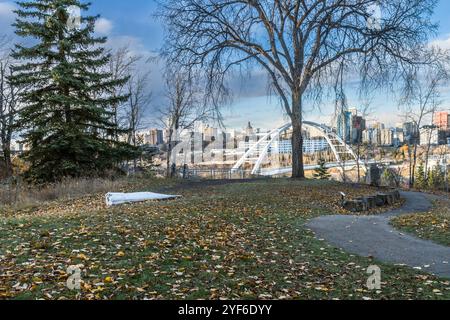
<point>433,225</point>
<point>236,241</point>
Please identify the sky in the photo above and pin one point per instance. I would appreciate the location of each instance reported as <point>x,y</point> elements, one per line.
<point>132,23</point>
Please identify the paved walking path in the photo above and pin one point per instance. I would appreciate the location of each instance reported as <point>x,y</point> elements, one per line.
<point>374,236</point>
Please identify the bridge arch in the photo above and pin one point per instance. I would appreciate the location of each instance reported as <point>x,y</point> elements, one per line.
<point>339,148</point>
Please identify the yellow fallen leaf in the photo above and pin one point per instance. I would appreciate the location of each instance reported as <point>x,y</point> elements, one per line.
<point>37,280</point>
<point>82,256</point>
<point>120,254</point>
<point>108,280</point>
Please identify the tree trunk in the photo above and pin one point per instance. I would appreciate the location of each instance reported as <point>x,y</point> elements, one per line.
<point>411,173</point>
<point>427,154</point>
<point>357,161</point>
<point>298,170</point>
<point>8,161</point>
<point>169,153</point>
<point>413,182</point>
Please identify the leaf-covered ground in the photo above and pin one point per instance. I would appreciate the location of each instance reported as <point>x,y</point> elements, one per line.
<point>433,225</point>
<point>237,241</point>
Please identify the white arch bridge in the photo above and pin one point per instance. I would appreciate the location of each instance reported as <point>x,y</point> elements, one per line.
<point>343,153</point>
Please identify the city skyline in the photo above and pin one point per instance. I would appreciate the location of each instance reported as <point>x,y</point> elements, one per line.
<point>352,127</point>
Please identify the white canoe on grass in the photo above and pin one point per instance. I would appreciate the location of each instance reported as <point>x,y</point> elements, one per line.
<point>113,199</point>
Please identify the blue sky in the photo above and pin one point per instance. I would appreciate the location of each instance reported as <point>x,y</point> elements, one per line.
<point>132,23</point>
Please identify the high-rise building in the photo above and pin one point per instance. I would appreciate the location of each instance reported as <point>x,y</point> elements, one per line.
<point>376,136</point>
<point>410,132</point>
<point>429,135</point>
<point>358,126</point>
<point>441,120</point>
<point>154,137</point>
<point>367,136</point>
<point>344,126</point>
<point>386,137</point>
<point>399,137</point>
<point>378,125</point>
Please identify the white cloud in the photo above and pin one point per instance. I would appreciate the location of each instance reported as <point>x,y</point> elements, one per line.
<point>6,18</point>
<point>443,43</point>
<point>6,10</point>
<point>103,26</point>
<point>134,44</point>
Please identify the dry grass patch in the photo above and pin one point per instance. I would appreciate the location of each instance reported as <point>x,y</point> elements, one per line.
<point>69,194</point>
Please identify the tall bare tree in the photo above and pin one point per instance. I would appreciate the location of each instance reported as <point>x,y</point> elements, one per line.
<point>184,107</point>
<point>121,65</point>
<point>139,99</point>
<point>299,43</point>
<point>138,102</point>
<point>422,97</point>
<point>9,104</point>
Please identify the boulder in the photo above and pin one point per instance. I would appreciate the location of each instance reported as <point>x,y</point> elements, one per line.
<point>371,201</point>
<point>396,195</point>
<point>380,200</point>
<point>388,199</point>
<point>355,205</point>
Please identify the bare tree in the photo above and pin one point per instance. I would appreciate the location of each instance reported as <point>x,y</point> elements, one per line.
<point>184,107</point>
<point>422,97</point>
<point>9,103</point>
<point>121,65</point>
<point>139,98</point>
<point>364,113</point>
<point>299,43</point>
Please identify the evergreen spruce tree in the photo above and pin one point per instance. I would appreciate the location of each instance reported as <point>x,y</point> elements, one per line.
<point>65,115</point>
<point>421,181</point>
<point>436,178</point>
<point>321,172</point>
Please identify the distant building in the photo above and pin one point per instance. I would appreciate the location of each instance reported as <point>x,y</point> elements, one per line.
<point>154,137</point>
<point>344,125</point>
<point>353,111</point>
<point>386,137</point>
<point>367,136</point>
<point>441,120</point>
<point>399,137</point>
<point>358,126</point>
<point>314,145</point>
<point>378,125</point>
<point>410,132</point>
<point>210,134</point>
<point>429,135</point>
<point>310,146</point>
<point>249,130</point>
<point>166,134</point>
<point>372,136</point>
